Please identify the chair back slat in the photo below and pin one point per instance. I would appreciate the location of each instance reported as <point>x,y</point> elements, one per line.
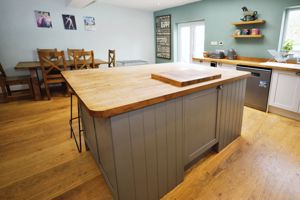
<point>3,74</point>
<point>84,59</point>
<point>52,63</point>
<point>111,58</point>
<point>71,53</point>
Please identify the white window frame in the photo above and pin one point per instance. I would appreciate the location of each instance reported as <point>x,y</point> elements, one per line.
<point>283,27</point>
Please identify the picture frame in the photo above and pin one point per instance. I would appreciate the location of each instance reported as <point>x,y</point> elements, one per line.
<point>69,22</point>
<point>43,19</point>
<point>89,23</point>
<point>163,36</point>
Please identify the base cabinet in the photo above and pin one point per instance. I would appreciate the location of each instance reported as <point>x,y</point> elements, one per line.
<point>285,91</point>
<point>200,119</point>
<point>142,153</point>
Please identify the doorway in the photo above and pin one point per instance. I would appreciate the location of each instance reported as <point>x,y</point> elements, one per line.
<point>190,40</point>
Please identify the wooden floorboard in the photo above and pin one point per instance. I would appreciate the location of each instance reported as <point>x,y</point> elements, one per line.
<point>38,160</point>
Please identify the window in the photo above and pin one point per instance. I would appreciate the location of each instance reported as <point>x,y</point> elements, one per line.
<point>291,28</point>
<point>190,41</point>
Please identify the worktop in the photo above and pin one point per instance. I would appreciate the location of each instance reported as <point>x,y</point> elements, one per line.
<point>108,92</point>
<point>143,133</point>
<point>263,63</point>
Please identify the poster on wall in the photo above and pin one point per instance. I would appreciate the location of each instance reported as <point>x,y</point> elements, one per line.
<point>43,19</point>
<point>163,36</point>
<point>69,22</point>
<point>89,23</point>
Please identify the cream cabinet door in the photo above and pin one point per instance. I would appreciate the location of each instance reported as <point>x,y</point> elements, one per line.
<point>285,90</point>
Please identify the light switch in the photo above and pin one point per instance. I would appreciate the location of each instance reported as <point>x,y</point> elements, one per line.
<point>214,43</point>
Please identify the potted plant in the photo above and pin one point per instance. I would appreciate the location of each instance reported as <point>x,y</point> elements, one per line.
<point>287,47</point>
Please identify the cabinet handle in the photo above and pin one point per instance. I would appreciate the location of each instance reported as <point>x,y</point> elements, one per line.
<point>220,87</point>
<point>298,73</point>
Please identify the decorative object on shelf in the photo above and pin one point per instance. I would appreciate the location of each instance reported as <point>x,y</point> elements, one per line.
<point>237,32</point>
<point>69,22</point>
<point>248,15</point>
<point>246,31</point>
<point>89,23</point>
<point>231,54</point>
<point>255,31</point>
<point>163,36</point>
<point>43,19</point>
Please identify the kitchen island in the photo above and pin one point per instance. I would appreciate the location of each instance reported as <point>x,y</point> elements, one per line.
<point>143,132</point>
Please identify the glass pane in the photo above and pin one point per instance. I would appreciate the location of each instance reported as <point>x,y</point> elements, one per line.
<point>184,44</point>
<point>198,41</point>
<point>292,31</point>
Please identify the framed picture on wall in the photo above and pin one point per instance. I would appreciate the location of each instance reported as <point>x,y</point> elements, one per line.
<point>89,23</point>
<point>69,22</point>
<point>163,36</point>
<point>43,19</point>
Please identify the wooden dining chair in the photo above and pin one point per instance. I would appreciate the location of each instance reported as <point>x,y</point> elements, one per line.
<point>52,64</point>
<point>71,53</point>
<point>82,60</point>
<point>46,50</point>
<point>7,81</point>
<point>111,58</point>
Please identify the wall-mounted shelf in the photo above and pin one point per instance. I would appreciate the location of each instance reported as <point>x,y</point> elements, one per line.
<point>248,36</point>
<point>259,21</point>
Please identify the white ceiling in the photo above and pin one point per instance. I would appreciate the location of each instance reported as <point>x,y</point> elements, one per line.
<point>151,5</point>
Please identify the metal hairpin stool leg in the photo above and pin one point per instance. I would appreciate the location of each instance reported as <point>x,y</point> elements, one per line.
<point>72,133</point>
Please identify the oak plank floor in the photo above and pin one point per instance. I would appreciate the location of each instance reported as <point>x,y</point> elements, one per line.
<point>38,160</point>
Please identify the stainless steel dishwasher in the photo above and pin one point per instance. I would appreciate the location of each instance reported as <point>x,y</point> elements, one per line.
<point>257,90</point>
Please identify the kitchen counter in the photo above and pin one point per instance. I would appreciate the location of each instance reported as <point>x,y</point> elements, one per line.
<point>108,92</point>
<point>143,133</point>
<point>264,63</point>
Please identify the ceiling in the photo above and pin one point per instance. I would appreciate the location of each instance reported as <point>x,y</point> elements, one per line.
<point>151,5</point>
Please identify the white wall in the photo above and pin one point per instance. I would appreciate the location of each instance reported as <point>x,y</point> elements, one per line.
<point>129,31</point>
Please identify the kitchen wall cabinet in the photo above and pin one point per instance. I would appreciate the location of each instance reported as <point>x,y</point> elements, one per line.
<point>285,91</point>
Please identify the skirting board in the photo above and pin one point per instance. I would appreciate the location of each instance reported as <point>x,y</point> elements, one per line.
<point>284,113</point>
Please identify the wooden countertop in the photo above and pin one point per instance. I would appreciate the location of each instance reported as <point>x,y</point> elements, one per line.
<point>112,91</point>
<point>259,63</point>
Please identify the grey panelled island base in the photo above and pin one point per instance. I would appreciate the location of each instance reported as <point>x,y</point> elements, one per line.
<point>143,132</point>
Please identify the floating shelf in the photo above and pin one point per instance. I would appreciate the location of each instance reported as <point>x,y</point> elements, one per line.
<point>248,36</point>
<point>259,21</point>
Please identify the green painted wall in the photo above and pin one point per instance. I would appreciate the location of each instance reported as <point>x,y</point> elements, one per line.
<point>218,16</point>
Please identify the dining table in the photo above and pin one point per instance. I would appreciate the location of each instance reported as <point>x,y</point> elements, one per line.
<point>34,66</point>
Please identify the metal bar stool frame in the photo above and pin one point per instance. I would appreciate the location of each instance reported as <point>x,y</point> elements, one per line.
<point>78,118</point>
